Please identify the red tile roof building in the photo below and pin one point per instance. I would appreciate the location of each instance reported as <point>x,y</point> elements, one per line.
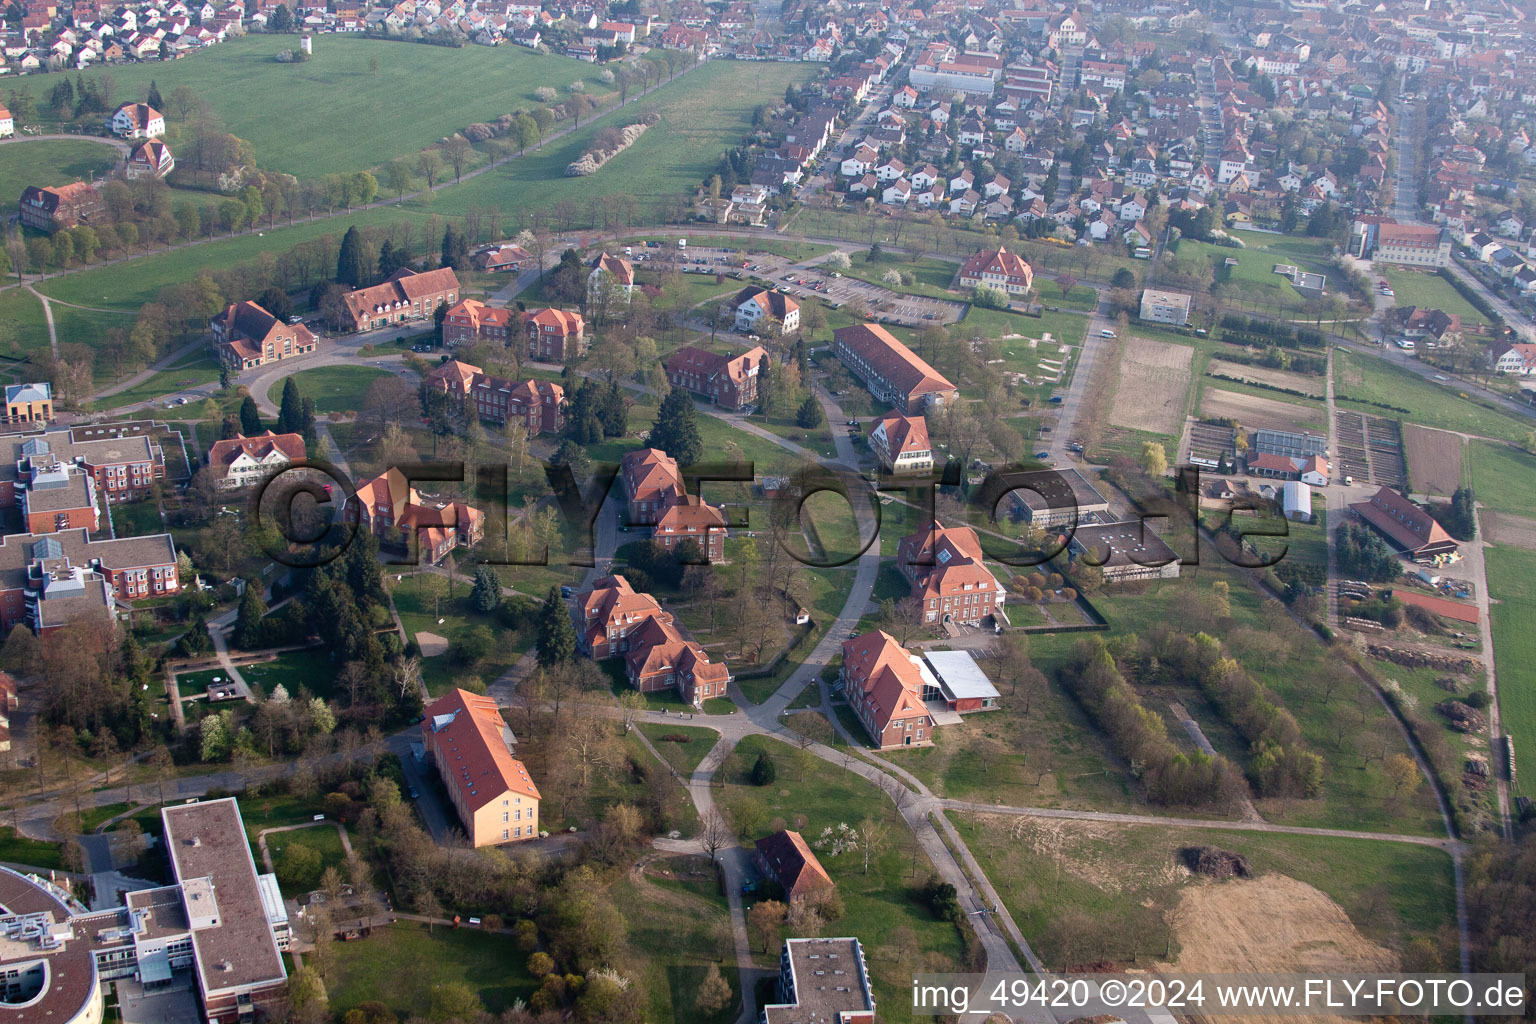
<point>690,518</point>
<point>555,335</point>
<point>1407,526</point>
<point>787,859</point>
<point>652,483</point>
<point>885,687</point>
<point>944,566</point>
<point>67,206</point>
<point>471,745</point>
<point>660,657</point>
<point>246,336</point>
<point>242,461</point>
<point>150,159</point>
<point>901,443</point>
<point>510,258</point>
<point>998,268</point>
<point>728,381</point>
<point>392,510</point>
<point>407,295</point>
<point>891,371</point>
<point>607,614</point>
<point>469,320</point>
<point>538,404</point>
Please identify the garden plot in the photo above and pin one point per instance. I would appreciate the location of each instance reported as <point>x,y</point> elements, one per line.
<point>1253,411</point>
<point>1285,379</point>
<point>1154,383</point>
<point>1434,459</point>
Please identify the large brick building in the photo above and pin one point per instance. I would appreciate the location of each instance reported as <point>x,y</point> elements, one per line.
<point>67,206</point>
<point>555,335</point>
<point>615,620</point>
<point>892,372</point>
<point>246,336</point>
<point>407,295</point>
<point>944,566</point>
<point>998,268</point>
<point>48,580</point>
<point>608,613</point>
<point>124,467</point>
<point>652,482</point>
<point>691,518</point>
<point>393,511</point>
<point>470,320</point>
<point>538,404</point>
<point>471,745</point>
<point>728,381</point>
<point>885,684</point>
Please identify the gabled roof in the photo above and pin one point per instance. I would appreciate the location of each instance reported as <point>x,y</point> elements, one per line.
<point>901,434</point>
<point>892,360</point>
<point>792,863</point>
<point>259,447</point>
<point>474,745</point>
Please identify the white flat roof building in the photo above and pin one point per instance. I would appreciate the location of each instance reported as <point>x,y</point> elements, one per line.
<point>961,682</point>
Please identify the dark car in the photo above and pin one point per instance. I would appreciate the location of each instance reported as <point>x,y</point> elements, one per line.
<point>1042,455</point>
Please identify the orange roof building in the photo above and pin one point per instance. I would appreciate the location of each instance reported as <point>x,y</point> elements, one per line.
<point>944,566</point>
<point>1405,525</point>
<point>998,268</point>
<point>901,443</point>
<point>691,518</point>
<point>466,738</point>
<point>660,657</point>
<point>391,509</point>
<point>728,381</point>
<point>891,371</point>
<point>555,335</point>
<point>246,336</point>
<point>241,461</point>
<point>652,482</point>
<point>787,859</point>
<point>886,687</point>
<point>407,295</point>
<point>469,320</point>
<point>609,612</point>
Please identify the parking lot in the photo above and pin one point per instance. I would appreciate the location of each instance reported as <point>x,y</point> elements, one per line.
<point>883,304</point>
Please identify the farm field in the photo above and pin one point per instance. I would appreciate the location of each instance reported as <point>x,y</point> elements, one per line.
<point>1434,459</point>
<point>1361,379</point>
<point>1153,386</point>
<point>370,116</point>
<point>1419,288</point>
<point>54,161</point>
<point>1512,587</point>
<point>1314,901</point>
<point>1301,382</point>
<point>1504,477</point>
<point>1256,411</point>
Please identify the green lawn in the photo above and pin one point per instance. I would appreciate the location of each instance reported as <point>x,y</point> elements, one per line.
<point>137,519</point>
<point>683,746</point>
<point>1126,878</point>
<point>1364,377</point>
<point>1512,587</point>
<point>55,161</point>
<point>1420,288</point>
<point>334,388</point>
<point>195,684</point>
<point>371,117</point>
<point>23,328</point>
<point>203,369</point>
<point>1503,477</point>
<point>399,964</point>
<point>1254,272</point>
<point>294,670</point>
<point>18,849</point>
<point>932,275</point>
<point>676,923</point>
<point>324,840</point>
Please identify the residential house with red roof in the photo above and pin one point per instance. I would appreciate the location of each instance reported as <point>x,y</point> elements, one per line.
<point>885,684</point>
<point>137,121</point>
<point>998,268</point>
<point>661,657</point>
<point>555,335</point>
<point>891,371</point>
<point>471,745</point>
<point>609,271</point>
<point>755,307</point>
<point>239,462</point>
<point>407,295</point>
<point>149,159</point>
<point>691,518</point>
<point>786,858</point>
<point>246,336</point>
<point>944,566</point>
<point>728,381</point>
<point>901,443</point>
<point>66,206</point>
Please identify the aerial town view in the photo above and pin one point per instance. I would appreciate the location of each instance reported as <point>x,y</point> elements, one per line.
<point>766,511</point>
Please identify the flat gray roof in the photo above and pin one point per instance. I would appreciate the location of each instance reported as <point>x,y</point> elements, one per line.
<point>959,675</point>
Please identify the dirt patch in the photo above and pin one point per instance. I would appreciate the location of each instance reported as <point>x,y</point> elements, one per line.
<point>1264,375</point>
<point>1434,459</point>
<point>1085,849</point>
<point>1273,923</point>
<point>1253,412</point>
<point>1502,528</point>
<point>431,644</point>
<point>1154,381</point>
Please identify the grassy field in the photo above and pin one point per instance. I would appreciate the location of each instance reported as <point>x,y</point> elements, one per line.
<point>55,161</point>
<point>311,669</point>
<point>398,965</point>
<point>880,907</point>
<point>372,114</point>
<point>324,840</point>
<point>1368,379</point>
<point>334,388</point>
<point>1254,272</point>
<point>1503,477</point>
<point>1045,871</point>
<point>1512,587</point>
<point>933,276</point>
<point>1418,288</point>
<point>675,918</point>
<point>23,328</point>
<point>683,756</point>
